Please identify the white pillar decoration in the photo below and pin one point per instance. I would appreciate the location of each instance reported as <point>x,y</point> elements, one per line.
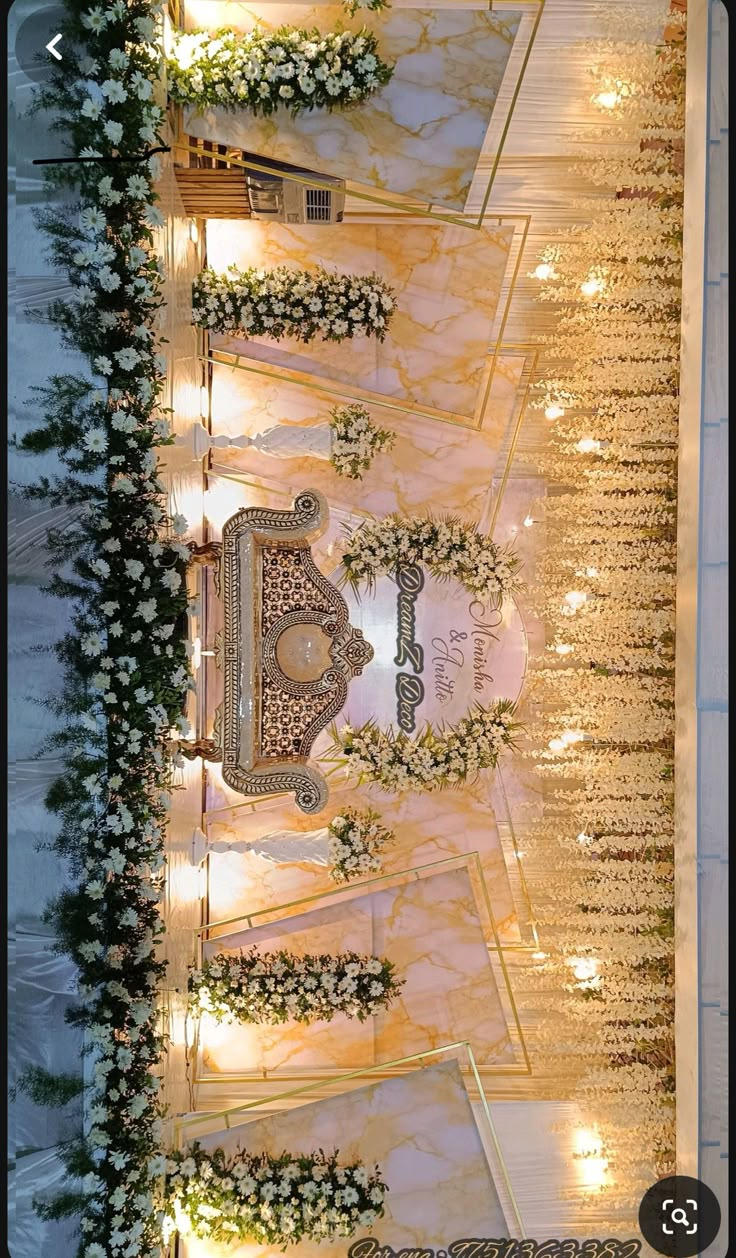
<point>282,441</point>
<point>283,847</point>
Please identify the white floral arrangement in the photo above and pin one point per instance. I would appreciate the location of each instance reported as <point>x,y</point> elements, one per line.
<point>434,759</point>
<point>266,1199</point>
<point>285,302</point>
<point>357,840</point>
<point>356,440</point>
<point>265,71</point>
<point>281,987</point>
<point>447,546</point>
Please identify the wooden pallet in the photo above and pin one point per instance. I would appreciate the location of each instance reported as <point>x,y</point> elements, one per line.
<point>208,193</point>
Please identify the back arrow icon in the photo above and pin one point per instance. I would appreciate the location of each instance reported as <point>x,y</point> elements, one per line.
<point>51,47</point>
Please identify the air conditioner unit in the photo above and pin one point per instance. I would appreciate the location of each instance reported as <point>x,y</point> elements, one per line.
<point>277,198</point>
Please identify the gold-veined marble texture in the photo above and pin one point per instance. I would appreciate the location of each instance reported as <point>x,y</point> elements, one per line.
<point>432,464</point>
<point>447,282</point>
<point>420,136</point>
<point>428,828</point>
<point>431,928</point>
<point>420,1130</point>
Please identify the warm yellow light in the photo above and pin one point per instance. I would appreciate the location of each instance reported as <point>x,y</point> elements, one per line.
<point>607,100</point>
<point>520,855</point>
<point>539,956</point>
<point>196,656</point>
<point>576,598</point>
<point>584,968</point>
<point>193,231</point>
<point>554,412</point>
<point>204,401</point>
<point>571,736</point>
<point>563,648</point>
<point>556,744</point>
<point>587,1143</point>
<point>591,572</point>
<point>585,838</point>
<point>212,1034</point>
<point>221,500</point>
<point>588,445</point>
<point>528,521</point>
<point>591,286</point>
<point>545,271</point>
<point>594,1171</point>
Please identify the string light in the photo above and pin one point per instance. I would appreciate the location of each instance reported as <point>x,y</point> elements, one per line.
<point>575,598</point>
<point>588,445</point>
<point>539,956</point>
<point>554,411</point>
<point>528,521</point>
<point>563,648</point>
<point>556,744</point>
<point>591,572</point>
<point>545,271</point>
<point>584,838</point>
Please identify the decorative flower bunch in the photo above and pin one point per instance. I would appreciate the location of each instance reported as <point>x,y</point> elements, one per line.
<point>285,302</point>
<point>358,6</point>
<point>266,1199</point>
<point>449,548</point>
<point>281,987</point>
<point>118,564</point>
<point>433,760</point>
<point>356,842</point>
<point>265,71</point>
<point>356,440</point>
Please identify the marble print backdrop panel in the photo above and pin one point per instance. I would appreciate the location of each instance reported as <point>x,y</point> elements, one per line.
<point>421,136</point>
<point>427,829</point>
<point>431,929</point>
<point>431,460</point>
<point>447,283</point>
<point>419,1129</point>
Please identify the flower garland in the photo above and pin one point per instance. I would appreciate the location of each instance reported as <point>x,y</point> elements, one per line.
<point>125,673</point>
<point>281,987</point>
<point>449,548</point>
<point>284,302</point>
<point>268,1200</point>
<point>433,760</point>
<point>356,440</point>
<point>356,842</point>
<point>265,71</point>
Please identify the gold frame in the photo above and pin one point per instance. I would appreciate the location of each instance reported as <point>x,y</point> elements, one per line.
<point>337,390</point>
<point>407,206</point>
<point>470,860</point>
<point>179,1125</point>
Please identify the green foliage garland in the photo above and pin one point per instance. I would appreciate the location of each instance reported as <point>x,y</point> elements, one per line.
<point>124,666</point>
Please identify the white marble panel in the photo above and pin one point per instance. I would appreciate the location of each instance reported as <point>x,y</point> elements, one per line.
<point>421,136</point>
<point>431,929</point>
<point>419,1129</point>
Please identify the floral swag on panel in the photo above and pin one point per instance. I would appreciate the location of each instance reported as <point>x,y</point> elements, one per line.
<point>266,1199</point>
<point>275,987</point>
<point>285,302</point>
<point>266,71</point>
